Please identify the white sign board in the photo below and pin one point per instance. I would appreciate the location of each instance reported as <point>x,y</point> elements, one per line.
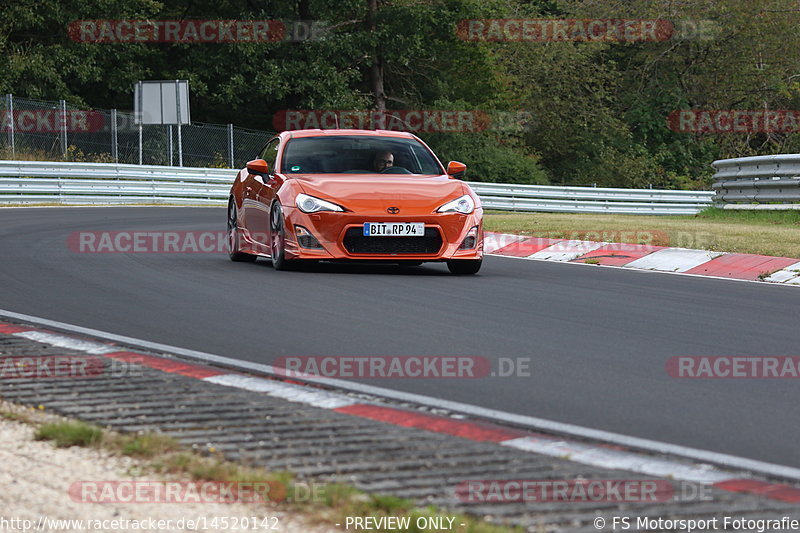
<point>161,102</point>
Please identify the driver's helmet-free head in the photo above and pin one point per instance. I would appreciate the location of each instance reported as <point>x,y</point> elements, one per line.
<point>382,160</point>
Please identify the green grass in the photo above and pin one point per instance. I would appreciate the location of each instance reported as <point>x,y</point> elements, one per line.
<point>775,233</point>
<point>144,446</point>
<point>15,416</point>
<point>70,433</point>
<point>747,216</point>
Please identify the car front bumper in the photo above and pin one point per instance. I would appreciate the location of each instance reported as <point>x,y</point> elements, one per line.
<point>340,236</point>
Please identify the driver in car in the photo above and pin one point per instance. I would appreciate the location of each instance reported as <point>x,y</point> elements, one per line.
<point>382,161</point>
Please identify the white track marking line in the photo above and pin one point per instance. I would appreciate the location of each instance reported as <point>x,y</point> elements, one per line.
<point>287,391</point>
<point>62,341</point>
<point>674,259</point>
<point>567,250</point>
<point>790,274</point>
<point>619,460</point>
<point>495,241</point>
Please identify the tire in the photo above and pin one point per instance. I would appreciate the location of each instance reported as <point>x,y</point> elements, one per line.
<point>464,267</point>
<point>233,237</point>
<point>278,240</point>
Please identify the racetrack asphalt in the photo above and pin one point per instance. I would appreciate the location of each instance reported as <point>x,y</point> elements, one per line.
<point>598,338</point>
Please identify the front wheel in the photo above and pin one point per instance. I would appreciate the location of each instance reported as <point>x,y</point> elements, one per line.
<point>233,237</point>
<point>278,240</point>
<point>462,267</point>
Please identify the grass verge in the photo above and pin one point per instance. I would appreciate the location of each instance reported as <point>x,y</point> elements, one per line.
<point>165,457</point>
<point>774,233</point>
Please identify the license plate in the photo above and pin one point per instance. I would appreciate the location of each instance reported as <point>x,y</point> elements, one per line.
<point>394,229</point>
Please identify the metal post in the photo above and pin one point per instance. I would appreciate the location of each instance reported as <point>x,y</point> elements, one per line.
<point>64,126</point>
<point>114,145</point>
<point>12,120</point>
<point>180,146</point>
<point>178,102</point>
<point>170,145</point>
<point>140,120</point>
<point>230,145</point>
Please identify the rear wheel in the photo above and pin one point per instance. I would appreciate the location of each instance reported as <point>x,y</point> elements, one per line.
<point>464,267</point>
<point>233,237</point>
<point>278,240</point>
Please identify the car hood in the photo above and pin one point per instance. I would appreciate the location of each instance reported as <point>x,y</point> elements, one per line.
<point>379,191</point>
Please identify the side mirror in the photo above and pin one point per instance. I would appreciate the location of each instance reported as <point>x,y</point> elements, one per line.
<point>258,167</point>
<point>456,170</point>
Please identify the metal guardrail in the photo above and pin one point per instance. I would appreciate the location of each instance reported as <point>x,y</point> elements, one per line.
<point>25,182</point>
<point>760,182</point>
<point>590,199</point>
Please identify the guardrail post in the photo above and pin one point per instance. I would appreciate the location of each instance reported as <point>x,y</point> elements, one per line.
<point>230,145</point>
<point>63,105</point>
<point>11,121</point>
<point>114,146</point>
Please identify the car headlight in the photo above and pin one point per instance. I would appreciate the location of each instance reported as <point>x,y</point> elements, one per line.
<point>464,204</point>
<point>310,204</point>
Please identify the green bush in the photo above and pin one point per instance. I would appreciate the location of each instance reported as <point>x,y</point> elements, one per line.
<point>489,157</point>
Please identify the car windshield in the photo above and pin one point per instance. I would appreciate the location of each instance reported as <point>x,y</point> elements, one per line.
<point>358,154</point>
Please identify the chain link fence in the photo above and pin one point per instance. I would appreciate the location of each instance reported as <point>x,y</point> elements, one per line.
<point>45,130</point>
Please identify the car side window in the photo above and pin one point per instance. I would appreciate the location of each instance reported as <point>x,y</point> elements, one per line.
<point>270,153</point>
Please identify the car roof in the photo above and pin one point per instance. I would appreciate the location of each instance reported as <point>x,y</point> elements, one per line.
<point>339,132</point>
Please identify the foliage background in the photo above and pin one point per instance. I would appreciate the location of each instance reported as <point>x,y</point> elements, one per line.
<point>598,109</point>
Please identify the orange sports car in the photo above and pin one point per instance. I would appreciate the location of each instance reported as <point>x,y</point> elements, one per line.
<point>354,195</point>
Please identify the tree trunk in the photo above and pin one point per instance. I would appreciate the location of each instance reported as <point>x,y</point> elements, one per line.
<point>376,70</point>
<point>304,10</point>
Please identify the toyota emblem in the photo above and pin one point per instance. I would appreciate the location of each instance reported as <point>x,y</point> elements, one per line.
<point>393,210</point>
